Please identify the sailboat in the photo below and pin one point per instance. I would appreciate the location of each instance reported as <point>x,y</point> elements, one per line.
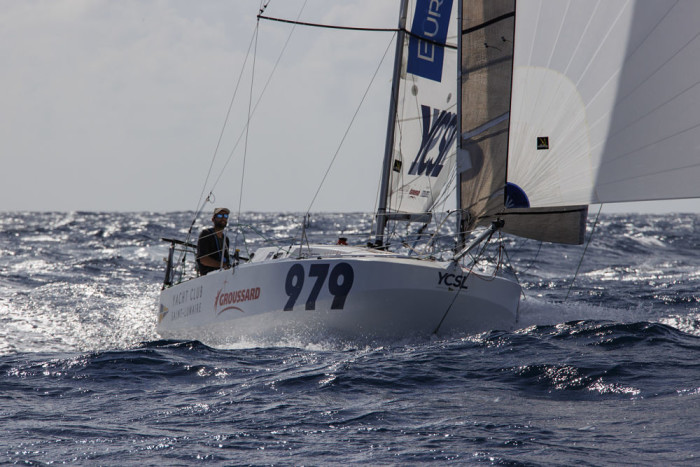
<point>541,108</point>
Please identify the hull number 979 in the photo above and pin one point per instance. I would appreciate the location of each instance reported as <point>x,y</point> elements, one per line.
<point>339,284</point>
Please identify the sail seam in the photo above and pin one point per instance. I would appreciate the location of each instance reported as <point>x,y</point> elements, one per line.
<point>497,61</point>
<point>602,44</point>
<point>633,53</point>
<point>575,52</point>
<point>637,177</point>
<point>488,23</point>
<point>652,111</point>
<point>661,140</point>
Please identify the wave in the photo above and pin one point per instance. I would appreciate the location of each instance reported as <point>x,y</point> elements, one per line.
<point>86,281</point>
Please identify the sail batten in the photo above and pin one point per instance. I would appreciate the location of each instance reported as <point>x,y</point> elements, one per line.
<point>490,22</point>
<point>485,127</point>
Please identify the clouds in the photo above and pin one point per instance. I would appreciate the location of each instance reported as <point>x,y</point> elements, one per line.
<point>90,89</point>
<point>118,105</point>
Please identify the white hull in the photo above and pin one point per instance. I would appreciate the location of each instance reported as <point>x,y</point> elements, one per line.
<point>343,296</point>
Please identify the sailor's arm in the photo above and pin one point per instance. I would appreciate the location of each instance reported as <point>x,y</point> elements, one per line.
<point>209,261</point>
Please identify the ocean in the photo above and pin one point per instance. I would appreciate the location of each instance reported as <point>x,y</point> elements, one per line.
<point>608,375</point>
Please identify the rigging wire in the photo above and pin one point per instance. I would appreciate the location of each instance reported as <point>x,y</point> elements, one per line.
<point>200,203</point>
<point>532,263</point>
<point>247,127</point>
<point>262,93</point>
<point>210,197</point>
<point>376,207</point>
<point>352,28</point>
<point>352,120</point>
<point>512,268</point>
<point>326,26</point>
<point>253,38</point>
<point>466,276</point>
<point>228,114</point>
<point>438,227</point>
<point>590,237</point>
<point>347,130</point>
<point>395,30</point>
<point>245,143</point>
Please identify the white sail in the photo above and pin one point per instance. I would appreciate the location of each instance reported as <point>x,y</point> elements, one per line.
<point>605,101</point>
<point>426,109</point>
<point>487,35</point>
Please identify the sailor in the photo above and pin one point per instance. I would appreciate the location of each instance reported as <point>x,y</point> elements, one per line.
<point>212,247</point>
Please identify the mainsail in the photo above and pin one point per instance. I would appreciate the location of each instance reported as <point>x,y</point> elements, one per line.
<point>487,48</point>
<point>423,137</point>
<point>605,101</point>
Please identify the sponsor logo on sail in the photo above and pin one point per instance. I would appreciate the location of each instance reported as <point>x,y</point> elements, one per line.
<point>228,300</point>
<point>429,30</point>
<point>438,136</point>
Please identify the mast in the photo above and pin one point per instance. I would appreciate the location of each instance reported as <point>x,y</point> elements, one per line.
<point>389,146</point>
<point>458,164</point>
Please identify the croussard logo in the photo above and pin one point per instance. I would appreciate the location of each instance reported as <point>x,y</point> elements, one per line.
<point>228,300</point>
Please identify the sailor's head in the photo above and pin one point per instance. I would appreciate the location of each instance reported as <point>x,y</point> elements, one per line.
<point>220,217</point>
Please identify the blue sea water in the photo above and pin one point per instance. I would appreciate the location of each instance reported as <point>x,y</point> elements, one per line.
<point>609,376</point>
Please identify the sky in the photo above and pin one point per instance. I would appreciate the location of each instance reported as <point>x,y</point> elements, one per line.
<point>119,106</point>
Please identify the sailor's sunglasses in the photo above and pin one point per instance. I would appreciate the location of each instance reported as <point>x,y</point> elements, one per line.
<point>225,216</point>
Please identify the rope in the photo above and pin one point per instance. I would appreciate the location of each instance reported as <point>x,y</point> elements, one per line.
<point>532,263</point>
<point>438,228</point>
<point>454,299</point>
<point>257,103</point>
<point>247,127</point>
<point>247,131</point>
<point>512,268</point>
<point>326,26</point>
<point>210,196</point>
<point>351,28</point>
<point>228,114</point>
<point>200,203</point>
<point>590,237</point>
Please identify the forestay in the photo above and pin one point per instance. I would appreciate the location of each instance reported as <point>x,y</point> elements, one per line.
<point>605,101</point>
